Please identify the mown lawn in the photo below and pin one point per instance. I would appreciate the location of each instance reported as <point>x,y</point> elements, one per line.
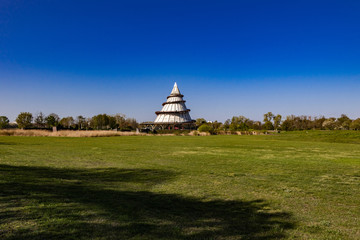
<point>293,186</point>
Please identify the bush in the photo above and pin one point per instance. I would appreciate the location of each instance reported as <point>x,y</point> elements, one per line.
<point>268,126</point>
<point>177,133</point>
<point>206,128</point>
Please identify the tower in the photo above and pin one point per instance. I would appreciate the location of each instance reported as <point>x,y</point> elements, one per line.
<point>174,111</point>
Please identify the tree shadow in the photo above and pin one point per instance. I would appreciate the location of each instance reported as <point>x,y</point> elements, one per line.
<point>55,203</point>
<point>8,143</point>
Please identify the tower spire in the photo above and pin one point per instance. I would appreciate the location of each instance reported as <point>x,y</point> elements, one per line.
<point>175,90</point>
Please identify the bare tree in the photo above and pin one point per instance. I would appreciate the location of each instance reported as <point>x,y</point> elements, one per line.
<point>40,120</point>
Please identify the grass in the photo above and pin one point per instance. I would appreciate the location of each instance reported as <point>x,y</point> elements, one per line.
<point>341,136</point>
<point>288,186</point>
<point>92,133</point>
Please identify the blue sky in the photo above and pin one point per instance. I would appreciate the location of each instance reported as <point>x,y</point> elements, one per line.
<point>229,58</point>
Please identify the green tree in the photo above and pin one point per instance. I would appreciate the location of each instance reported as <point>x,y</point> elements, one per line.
<point>343,122</point>
<point>330,124</point>
<point>24,120</point>
<point>100,121</point>
<point>112,122</point>
<point>67,122</point>
<point>52,120</point>
<point>240,123</point>
<point>200,121</point>
<point>268,117</point>
<point>216,125</point>
<point>277,121</point>
<point>4,121</point>
<point>268,126</point>
<point>257,125</point>
<point>355,125</point>
<point>318,122</point>
<point>226,124</point>
<point>287,125</point>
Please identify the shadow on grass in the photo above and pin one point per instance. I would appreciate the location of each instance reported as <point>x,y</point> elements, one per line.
<point>7,143</point>
<point>55,203</point>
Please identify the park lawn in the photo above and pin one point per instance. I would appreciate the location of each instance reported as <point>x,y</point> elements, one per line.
<point>301,185</point>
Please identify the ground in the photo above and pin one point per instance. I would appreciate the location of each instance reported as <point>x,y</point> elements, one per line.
<point>302,185</point>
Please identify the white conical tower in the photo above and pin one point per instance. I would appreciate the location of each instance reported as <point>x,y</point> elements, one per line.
<point>174,110</point>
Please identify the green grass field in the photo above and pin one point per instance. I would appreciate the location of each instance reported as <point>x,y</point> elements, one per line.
<point>303,185</point>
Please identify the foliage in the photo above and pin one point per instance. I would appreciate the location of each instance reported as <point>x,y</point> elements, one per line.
<point>200,121</point>
<point>277,121</point>
<point>355,125</point>
<point>67,122</point>
<point>216,125</point>
<point>81,122</point>
<point>4,122</point>
<point>242,123</point>
<point>268,126</point>
<point>239,123</point>
<point>343,122</point>
<point>104,121</point>
<point>24,120</point>
<point>112,122</point>
<point>100,121</point>
<point>52,120</point>
<point>268,117</point>
<point>329,124</point>
<point>287,125</point>
<point>206,128</point>
<point>293,122</point>
<point>39,120</point>
<point>226,125</point>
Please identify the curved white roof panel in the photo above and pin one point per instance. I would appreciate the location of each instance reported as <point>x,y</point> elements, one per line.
<point>174,99</point>
<point>171,107</point>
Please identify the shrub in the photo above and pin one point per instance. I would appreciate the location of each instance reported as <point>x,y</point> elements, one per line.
<point>177,133</point>
<point>206,128</point>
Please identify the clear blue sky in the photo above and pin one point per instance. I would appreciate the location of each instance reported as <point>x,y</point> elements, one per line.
<point>228,57</point>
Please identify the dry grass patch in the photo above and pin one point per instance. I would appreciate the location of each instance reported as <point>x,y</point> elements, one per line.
<point>66,133</point>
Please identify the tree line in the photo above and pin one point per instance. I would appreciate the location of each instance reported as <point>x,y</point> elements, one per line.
<point>276,122</point>
<point>26,120</point>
